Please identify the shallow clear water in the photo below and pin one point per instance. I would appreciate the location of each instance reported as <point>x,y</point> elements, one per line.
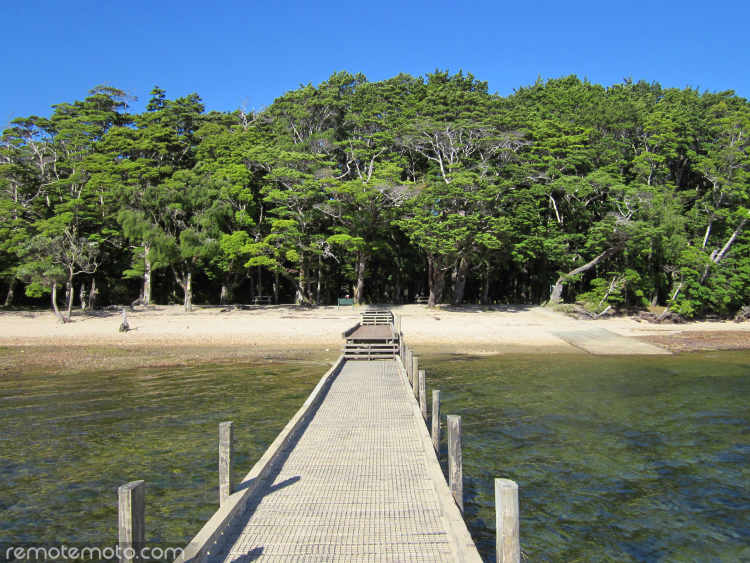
<point>617,459</point>
<point>69,441</point>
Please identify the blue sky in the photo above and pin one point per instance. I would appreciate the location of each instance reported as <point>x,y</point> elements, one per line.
<point>55,51</point>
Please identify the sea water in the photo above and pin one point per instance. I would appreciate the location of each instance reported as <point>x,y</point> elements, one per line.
<point>617,459</point>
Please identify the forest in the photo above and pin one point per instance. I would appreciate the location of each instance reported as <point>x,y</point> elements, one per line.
<point>565,191</point>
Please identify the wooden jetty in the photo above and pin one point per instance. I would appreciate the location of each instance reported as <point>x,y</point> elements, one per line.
<point>377,317</point>
<point>354,476</point>
<point>375,337</point>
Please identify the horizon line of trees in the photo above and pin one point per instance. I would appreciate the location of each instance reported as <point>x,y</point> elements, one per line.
<point>631,194</point>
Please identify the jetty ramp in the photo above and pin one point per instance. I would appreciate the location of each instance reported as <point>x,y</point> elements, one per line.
<point>354,484</point>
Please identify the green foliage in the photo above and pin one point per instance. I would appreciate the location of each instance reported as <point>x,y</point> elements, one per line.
<point>36,289</point>
<point>387,185</point>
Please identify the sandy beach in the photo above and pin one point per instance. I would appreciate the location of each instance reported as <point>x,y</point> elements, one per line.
<point>166,335</point>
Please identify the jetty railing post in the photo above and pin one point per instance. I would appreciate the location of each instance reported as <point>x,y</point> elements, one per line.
<point>131,516</point>
<point>226,461</point>
<point>436,421</point>
<point>508,536</point>
<point>409,366</point>
<point>423,394</point>
<point>415,375</point>
<point>455,460</point>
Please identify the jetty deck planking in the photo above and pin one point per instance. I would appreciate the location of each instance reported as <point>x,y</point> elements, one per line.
<point>354,484</point>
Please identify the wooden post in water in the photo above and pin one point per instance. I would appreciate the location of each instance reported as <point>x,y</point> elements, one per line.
<point>508,539</point>
<point>436,421</point>
<point>415,375</point>
<point>226,461</point>
<point>409,366</point>
<point>131,516</point>
<point>423,394</point>
<point>455,460</point>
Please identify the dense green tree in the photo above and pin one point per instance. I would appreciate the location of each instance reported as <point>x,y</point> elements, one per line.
<point>632,194</point>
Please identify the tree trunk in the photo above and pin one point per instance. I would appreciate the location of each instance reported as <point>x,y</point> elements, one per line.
<point>397,290</point>
<point>185,282</point>
<point>436,281</point>
<point>300,297</point>
<point>460,283</point>
<point>54,304</point>
<point>317,292</point>
<point>70,292</point>
<point>252,282</point>
<point>231,282</point>
<point>147,277</point>
<point>676,293</point>
<point>308,285</point>
<point>717,257</point>
<point>486,285</point>
<point>82,295</point>
<point>454,277</point>
<point>557,291</point>
<point>189,294</point>
<point>9,296</point>
<point>92,295</point>
<point>359,267</point>
<point>260,282</point>
<point>276,289</point>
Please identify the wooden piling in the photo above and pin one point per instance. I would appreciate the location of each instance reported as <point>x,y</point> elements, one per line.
<point>455,460</point>
<point>131,516</point>
<point>508,537</point>
<point>415,375</point>
<point>436,421</point>
<point>226,461</point>
<point>409,365</point>
<point>423,393</point>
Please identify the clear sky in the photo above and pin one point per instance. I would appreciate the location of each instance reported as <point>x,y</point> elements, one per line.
<point>54,51</point>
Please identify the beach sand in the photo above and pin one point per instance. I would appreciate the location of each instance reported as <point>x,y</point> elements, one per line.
<point>166,335</point>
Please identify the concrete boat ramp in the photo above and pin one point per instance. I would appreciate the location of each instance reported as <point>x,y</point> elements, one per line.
<point>602,342</point>
<point>597,340</point>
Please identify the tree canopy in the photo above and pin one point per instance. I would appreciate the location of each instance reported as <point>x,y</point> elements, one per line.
<point>565,190</point>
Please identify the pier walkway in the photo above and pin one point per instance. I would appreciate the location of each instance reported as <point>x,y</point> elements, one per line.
<point>354,476</point>
<point>353,485</point>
